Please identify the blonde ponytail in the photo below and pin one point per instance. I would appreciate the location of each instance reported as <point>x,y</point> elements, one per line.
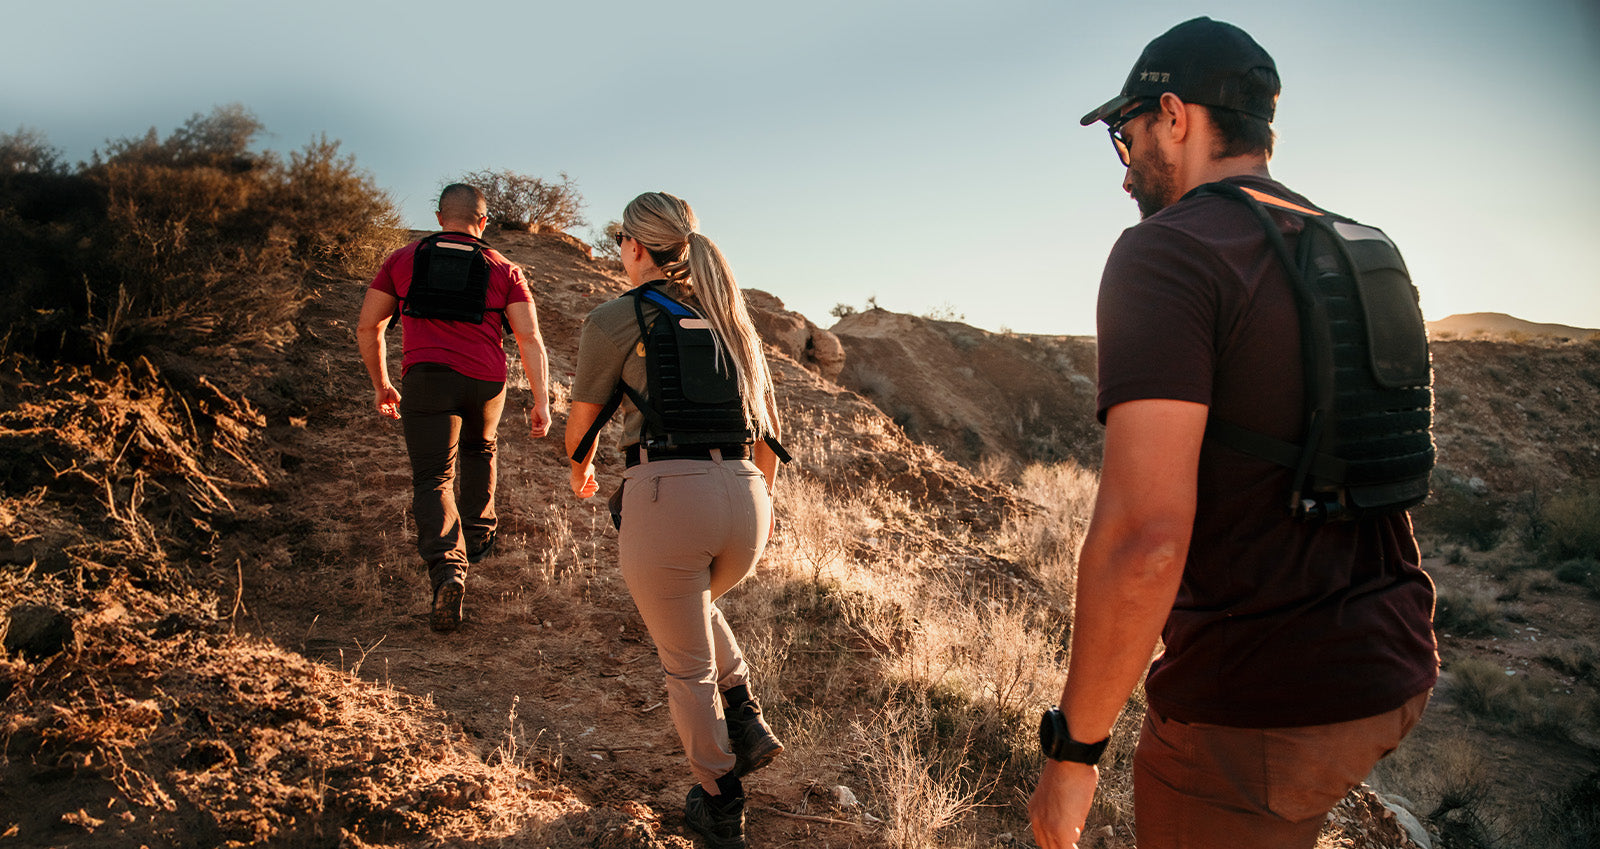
<point>666,226</point>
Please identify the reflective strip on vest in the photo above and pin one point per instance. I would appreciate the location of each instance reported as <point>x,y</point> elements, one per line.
<point>1279,202</point>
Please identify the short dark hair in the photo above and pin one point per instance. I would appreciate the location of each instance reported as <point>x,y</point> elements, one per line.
<point>461,200</point>
<point>1241,133</point>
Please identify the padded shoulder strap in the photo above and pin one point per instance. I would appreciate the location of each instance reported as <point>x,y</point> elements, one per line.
<point>650,293</point>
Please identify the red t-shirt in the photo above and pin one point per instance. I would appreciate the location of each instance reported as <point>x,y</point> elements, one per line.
<point>474,350</point>
<point>1277,622</point>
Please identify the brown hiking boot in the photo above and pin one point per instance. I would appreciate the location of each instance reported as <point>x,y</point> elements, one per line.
<point>482,550</point>
<point>754,744</point>
<point>446,614</point>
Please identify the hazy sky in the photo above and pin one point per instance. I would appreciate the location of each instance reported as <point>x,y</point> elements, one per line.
<point>925,153</point>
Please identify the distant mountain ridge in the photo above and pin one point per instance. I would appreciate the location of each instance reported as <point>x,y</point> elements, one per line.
<point>1499,324</point>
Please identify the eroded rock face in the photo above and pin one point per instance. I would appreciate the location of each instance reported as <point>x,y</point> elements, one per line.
<point>807,344</point>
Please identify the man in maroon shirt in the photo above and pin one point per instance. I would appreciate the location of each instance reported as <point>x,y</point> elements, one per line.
<point>1296,654</point>
<point>453,371</point>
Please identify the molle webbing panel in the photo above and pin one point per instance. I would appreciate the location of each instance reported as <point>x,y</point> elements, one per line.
<point>1367,448</point>
<point>1379,393</point>
<point>449,280</point>
<point>694,393</point>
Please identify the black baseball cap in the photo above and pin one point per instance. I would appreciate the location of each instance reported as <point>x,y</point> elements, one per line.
<point>1201,61</point>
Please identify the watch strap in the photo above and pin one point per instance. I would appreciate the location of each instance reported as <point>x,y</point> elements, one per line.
<point>1056,741</point>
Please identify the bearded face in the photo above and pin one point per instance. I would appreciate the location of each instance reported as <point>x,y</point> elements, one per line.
<point>1152,178</point>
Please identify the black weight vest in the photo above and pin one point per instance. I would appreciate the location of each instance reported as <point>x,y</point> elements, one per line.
<point>450,280</point>
<point>693,391</point>
<point>1367,447</point>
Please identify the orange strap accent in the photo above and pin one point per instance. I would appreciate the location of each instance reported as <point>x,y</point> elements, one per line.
<point>1266,198</point>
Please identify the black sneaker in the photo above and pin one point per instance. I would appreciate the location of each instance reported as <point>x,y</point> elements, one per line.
<point>754,744</point>
<point>722,829</point>
<point>482,551</point>
<point>446,615</point>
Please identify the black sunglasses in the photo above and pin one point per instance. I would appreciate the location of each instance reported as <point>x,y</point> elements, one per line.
<point>1118,140</point>
<point>619,237</point>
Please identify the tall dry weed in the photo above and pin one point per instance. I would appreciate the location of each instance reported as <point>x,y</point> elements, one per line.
<point>1047,540</point>
<point>922,786</point>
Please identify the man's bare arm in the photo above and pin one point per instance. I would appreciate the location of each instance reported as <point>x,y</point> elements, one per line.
<point>377,310</point>
<point>1128,575</point>
<point>524,323</point>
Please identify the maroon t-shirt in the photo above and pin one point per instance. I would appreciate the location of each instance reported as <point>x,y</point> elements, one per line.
<point>474,350</point>
<point>1277,622</point>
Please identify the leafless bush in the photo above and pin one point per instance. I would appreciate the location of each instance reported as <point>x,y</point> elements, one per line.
<point>521,202</point>
<point>921,791</point>
<point>603,242</point>
<point>27,151</point>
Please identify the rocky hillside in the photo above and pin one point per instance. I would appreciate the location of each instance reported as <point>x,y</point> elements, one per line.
<point>977,395</point>
<point>1511,414</point>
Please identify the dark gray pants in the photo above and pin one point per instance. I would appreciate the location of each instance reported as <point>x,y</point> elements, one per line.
<point>447,417</point>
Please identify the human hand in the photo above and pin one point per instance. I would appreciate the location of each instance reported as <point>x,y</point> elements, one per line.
<point>583,483</point>
<point>1060,803</point>
<point>388,402</point>
<point>539,418</point>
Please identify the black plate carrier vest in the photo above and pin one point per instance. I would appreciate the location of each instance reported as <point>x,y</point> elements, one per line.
<point>450,279</point>
<point>1367,448</point>
<point>693,389</point>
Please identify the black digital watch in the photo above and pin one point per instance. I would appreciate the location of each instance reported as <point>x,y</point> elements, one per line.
<point>1058,745</point>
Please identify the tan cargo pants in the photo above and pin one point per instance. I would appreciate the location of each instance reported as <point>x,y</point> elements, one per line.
<point>691,530</point>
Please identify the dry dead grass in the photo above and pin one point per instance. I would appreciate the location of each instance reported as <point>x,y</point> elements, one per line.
<point>937,655</point>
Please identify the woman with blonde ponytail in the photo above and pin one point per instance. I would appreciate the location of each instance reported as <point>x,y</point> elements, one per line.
<point>700,440</point>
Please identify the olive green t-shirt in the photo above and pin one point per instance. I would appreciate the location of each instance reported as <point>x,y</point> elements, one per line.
<point>611,347</point>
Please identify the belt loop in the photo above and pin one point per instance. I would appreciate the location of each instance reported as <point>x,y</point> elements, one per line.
<point>716,454</point>
<point>644,456</point>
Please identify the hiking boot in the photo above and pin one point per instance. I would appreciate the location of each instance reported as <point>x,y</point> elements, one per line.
<point>446,614</point>
<point>722,829</point>
<point>482,551</point>
<point>754,744</point>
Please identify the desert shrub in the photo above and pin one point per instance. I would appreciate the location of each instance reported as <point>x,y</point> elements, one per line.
<point>923,785</point>
<point>1573,520</point>
<point>1582,570</point>
<point>1528,581</point>
<point>340,222</point>
<point>603,242</point>
<point>1580,660</point>
<point>1455,512</point>
<point>1571,820</point>
<point>1469,612</point>
<point>521,202</point>
<point>1508,560</point>
<point>1048,539</point>
<point>1483,689</point>
<point>192,242</point>
<point>28,151</point>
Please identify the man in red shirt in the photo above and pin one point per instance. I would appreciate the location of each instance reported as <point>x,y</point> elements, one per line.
<point>453,371</point>
<point>1296,654</point>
